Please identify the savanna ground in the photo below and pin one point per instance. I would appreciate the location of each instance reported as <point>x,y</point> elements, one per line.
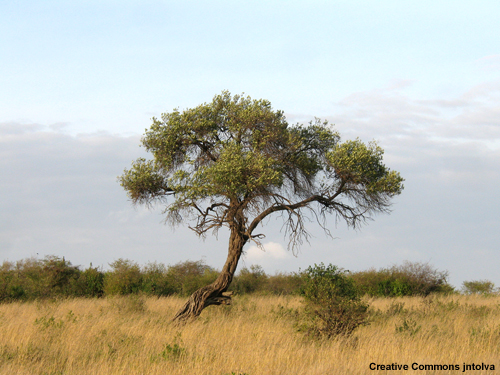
<point>257,335</point>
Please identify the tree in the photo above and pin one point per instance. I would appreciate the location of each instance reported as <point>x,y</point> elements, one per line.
<point>235,161</point>
<point>478,287</point>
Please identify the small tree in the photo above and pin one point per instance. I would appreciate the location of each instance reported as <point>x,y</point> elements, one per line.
<point>235,161</point>
<point>478,287</point>
<point>333,303</point>
<point>125,278</point>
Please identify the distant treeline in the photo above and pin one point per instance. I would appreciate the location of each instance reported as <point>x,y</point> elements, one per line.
<point>53,277</point>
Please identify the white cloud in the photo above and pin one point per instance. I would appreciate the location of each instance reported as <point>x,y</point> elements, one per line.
<point>390,115</point>
<point>272,250</point>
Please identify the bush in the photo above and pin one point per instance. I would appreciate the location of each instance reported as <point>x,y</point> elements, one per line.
<point>408,279</point>
<point>9,284</point>
<point>249,280</point>
<point>58,276</point>
<point>125,278</point>
<point>33,278</point>
<point>53,276</point>
<point>187,277</point>
<point>156,280</point>
<point>333,304</point>
<point>395,287</point>
<point>284,283</point>
<point>90,283</point>
<point>478,287</point>
<point>255,280</point>
<point>422,278</point>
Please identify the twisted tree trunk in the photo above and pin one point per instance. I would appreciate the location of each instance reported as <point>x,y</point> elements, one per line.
<point>215,293</point>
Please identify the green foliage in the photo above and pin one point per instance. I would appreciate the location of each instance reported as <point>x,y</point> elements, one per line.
<point>409,327</point>
<point>187,277</point>
<point>283,283</point>
<point>54,277</point>
<point>333,304</point>
<point>250,280</point>
<point>90,283</point>
<point>51,322</point>
<point>156,280</point>
<point>172,352</point>
<point>394,288</point>
<point>124,278</point>
<point>183,278</point>
<point>33,278</point>
<point>255,280</point>
<point>479,287</point>
<point>327,283</point>
<point>59,274</point>
<point>9,287</point>
<point>223,148</point>
<point>360,164</point>
<point>238,155</point>
<point>407,279</point>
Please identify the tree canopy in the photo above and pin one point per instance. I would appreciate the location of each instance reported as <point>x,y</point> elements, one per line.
<point>236,152</point>
<point>235,161</point>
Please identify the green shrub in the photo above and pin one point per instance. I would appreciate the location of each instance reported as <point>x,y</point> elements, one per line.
<point>409,327</point>
<point>478,287</point>
<point>394,288</point>
<point>156,280</point>
<point>408,279</point>
<point>333,304</point>
<point>10,288</point>
<point>189,276</point>
<point>58,276</point>
<point>249,280</point>
<point>172,352</point>
<point>90,283</point>
<point>33,278</point>
<point>48,278</point>
<point>53,276</point>
<point>422,278</point>
<point>125,278</point>
<point>255,280</point>
<point>284,283</point>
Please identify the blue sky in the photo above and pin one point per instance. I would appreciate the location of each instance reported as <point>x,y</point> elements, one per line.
<point>80,80</point>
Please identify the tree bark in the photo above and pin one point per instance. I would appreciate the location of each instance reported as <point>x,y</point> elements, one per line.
<point>215,293</point>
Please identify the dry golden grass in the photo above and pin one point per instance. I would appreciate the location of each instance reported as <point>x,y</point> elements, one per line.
<point>255,336</point>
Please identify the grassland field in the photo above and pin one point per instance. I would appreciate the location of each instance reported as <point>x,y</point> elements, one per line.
<point>257,335</point>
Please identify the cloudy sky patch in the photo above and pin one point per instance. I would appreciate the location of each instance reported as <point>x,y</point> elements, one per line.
<point>268,251</point>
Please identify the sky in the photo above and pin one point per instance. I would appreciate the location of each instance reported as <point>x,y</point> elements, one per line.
<point>81,80</point>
